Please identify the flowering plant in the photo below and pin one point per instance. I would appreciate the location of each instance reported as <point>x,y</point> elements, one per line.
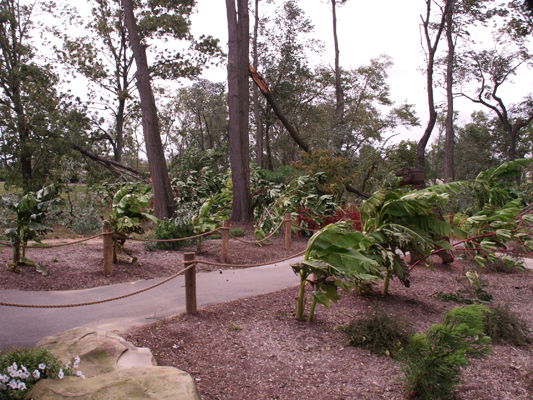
<point>21,369</point>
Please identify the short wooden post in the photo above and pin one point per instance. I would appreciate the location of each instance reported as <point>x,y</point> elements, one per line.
<point>190,283</point>
<point>107,232</point>
<point>224,232</point>
<point>287,230</point>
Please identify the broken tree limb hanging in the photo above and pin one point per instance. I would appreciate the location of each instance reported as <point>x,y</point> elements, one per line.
<point>263,87</point>
<point>111,165</point>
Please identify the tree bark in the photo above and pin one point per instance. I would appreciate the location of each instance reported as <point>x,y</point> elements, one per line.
<point>163,202</point>
<point>255,94</point>
<point>339,93</point>
<point>449,170</point>
<point>432,49</point>
<point>238,92</point>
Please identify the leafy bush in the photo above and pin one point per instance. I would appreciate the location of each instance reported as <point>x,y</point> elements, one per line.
<point>171,229</point>
<point>86,221</point>
<point>27,220</point>
<point>236,232</point>
<point>380,333</point>
<point>433,360</point>
<point>506,327</point>
<point>21,369</point>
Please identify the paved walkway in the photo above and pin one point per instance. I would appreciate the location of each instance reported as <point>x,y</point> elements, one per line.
<point>25,326</point>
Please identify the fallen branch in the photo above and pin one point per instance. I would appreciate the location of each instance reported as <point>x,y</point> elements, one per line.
<point>111,165</point>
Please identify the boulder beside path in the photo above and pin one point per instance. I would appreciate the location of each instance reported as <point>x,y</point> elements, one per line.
<point>114,369</point>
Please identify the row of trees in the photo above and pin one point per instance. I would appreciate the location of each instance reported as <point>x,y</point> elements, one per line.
<point>348,112</point>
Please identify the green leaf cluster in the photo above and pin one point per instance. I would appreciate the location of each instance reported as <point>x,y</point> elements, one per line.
<point>129,208</point>
<point>26,218</point>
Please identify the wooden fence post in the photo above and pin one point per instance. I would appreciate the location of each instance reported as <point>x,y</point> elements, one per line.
<point>190,283</point>
<point>107,232</point>
<point>224,232</point>
<point>287,229</point>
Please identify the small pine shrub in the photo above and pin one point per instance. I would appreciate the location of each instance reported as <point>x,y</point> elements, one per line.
<point>380,333</point>
<point>505,327</point>
<point>172,229</point>
<point>433,360</point>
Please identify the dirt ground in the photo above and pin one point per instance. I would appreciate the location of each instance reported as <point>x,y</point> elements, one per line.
<point>254,349</point>
<point>80,266</point>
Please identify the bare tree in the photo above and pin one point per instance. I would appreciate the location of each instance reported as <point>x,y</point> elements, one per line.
<point>163,202</point>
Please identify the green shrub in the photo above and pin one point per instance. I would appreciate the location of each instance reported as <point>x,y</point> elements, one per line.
<point>380,333</point>
<point>172,229</point>
<point>433,360</point>
<point>236,232</point>
<point>86,222</point>
<point>25,367</point>
<point>505,327</point>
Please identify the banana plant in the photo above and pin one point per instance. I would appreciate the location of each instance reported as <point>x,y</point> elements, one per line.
<point>128,211</point>
<point>27,221</point>
<point>393,222</point>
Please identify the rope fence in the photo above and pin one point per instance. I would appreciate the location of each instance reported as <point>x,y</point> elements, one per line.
<point>90,303</point>
<point>189,270</point>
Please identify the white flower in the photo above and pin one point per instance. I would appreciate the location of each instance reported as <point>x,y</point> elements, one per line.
<point>36,374</point>
<point>14,373</point>
<point>22,386</point>
<point>15,366</point>
<point>4,378</point>
<point>14,384</point>
<point>42,366</point>
<point>76,362</point>
<point>80,374</point>
<point>67,365</point>
<point>61,374</point>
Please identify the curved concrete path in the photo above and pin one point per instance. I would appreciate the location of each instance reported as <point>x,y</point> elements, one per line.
<point>25,326</point>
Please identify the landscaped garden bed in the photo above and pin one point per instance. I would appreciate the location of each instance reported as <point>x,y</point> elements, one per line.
<point>255,349</point>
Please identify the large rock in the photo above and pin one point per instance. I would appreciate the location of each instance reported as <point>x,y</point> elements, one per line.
<point>100,351</point>
<point>114,369</point>
<point>157,383</point>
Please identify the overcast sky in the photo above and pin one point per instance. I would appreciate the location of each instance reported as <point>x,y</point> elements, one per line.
<point>367,29</point>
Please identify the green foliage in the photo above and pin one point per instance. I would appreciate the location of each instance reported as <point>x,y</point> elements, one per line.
<point>30,213</point>
<point>506,327</point>
<point>380,333</point>
<point>336,171</point>
<point>129,207</point>
<point>302,193</point>
<point>495,228</point>
<point>33,360</point>
<point>433,360</point>
<point>473,293</point>
<point>86,221</point>
<point>394,221</point>
<point>171,229</point>
<point>214,210</point>
<point>494,187</point>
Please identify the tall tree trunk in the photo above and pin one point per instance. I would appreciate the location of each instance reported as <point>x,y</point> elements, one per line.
<point>119,130</point>
<point>23,129</point>
<point>449,170</point>
<point>255,94</point>
<point>339,93</point>
<point>431,46</point>
<point>238,90</point>
<point>163,202</point>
